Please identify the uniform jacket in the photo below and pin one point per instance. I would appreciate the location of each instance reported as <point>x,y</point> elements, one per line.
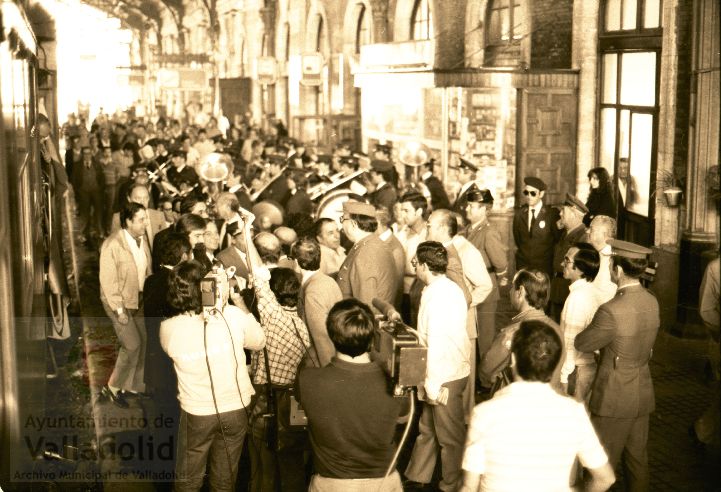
<point>439,198</point>
<point>487,240</point>
<point>399,258</point>
<point>369,271</point>
<point>498,356</point>
<point>119,284</point>
<point>156,220</point>
<point>385,196</point>
<point>559,285</point>
<point>624,330</point>
<point>317,296</point>
<point>535,247</point>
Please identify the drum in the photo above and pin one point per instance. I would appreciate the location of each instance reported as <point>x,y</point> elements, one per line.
<point>331,205</point>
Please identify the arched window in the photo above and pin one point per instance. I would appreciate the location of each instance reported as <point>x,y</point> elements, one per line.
<point>421,21</point>
<point>506,22</point>
<point>363,28</point>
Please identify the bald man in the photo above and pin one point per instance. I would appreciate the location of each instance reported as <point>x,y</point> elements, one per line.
<point>139,193</point>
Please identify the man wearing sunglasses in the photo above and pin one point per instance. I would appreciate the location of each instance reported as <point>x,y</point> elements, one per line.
<point>534,229</point>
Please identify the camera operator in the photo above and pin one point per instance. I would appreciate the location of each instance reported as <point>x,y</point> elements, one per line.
<point>214,388</point>
<point>351,413</point>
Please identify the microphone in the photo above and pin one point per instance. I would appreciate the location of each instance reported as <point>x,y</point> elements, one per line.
<point>387,309</point>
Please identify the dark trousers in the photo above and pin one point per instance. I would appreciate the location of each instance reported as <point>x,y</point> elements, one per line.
<point>209,440</point>
<point>485,325</point>
<point>625,439</point>
<point>441,426</point>
<point>282,470</point>
<point>90,211</point>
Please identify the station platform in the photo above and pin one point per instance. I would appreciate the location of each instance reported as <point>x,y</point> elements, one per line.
<point>123,442</point>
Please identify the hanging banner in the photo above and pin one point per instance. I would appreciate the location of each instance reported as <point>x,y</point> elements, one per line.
<point>311,69</point>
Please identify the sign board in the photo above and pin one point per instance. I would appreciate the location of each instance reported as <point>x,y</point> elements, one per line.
<point>267,70</point>
<point>311,69</point>
<point>182,78</point>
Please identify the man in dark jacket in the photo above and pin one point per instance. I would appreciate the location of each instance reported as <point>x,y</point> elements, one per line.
<point>439,198</point>
<point>573,231</point>
<point>89,184</point>
<point>535,229</point>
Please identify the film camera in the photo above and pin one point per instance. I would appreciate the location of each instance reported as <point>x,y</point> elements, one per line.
<point>215,288</point>
<point>398,348</point>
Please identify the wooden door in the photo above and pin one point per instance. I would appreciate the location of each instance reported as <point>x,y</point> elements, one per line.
<point>236,96</point>
<point>548,140</point>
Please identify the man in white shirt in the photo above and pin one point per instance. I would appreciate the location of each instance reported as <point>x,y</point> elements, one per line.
<point>580,266</point>
<point>203,145</point>
<point>413,210</point>
<point>527,437</point>
<point>332,254</point>
<point>442,327</point>
<point>601,230</point>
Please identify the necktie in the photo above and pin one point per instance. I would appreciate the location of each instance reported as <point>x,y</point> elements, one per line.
<point>533,221</point>
<point>139,241</point>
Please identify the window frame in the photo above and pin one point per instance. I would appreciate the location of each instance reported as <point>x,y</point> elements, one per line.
<point>620,42</point>
<point>425,23</point>
<point>361,20</point>
<point>512,39</point>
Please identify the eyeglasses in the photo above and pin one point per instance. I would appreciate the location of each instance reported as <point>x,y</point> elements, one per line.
<point>567,261</point>
<point>167,209</point>
<point>343,219</point>
<point>529,192</point>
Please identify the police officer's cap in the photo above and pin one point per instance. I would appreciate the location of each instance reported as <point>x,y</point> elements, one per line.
<point>479,196</point>
<point>628,250</point>
<point>359,208</point>
<point>574,202</point>
<point>535,182</point>
<point>468,165</point>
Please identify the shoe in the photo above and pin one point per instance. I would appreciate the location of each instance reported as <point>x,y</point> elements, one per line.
<point>411,485</point>
<point>117,398</point>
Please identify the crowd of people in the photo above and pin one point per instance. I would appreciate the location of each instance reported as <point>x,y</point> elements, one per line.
<point>567,381</point>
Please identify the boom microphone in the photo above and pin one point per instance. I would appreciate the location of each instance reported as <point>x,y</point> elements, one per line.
<point>387,309</point>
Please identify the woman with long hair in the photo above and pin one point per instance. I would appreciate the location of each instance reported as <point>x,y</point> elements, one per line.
<point>601,200</point>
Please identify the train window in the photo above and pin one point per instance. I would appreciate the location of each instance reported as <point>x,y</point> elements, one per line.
<point>20,96</point>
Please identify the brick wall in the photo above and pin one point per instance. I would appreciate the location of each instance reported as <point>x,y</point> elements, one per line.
<point>551,24</point>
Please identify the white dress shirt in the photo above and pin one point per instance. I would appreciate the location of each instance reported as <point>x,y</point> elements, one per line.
<point>442,327</point>
<point>410,239</point>
<point>581,304</point>
<point>141,261</point>
<point>475,270</point>
<point>606,287</point>
<point>527,438</point>
<point>537,209</point>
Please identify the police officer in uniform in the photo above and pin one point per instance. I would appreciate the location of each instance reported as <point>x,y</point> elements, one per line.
<point>467,177</point>
<point>369,269</point>
<point>624,329</point>
<point>486,238</point>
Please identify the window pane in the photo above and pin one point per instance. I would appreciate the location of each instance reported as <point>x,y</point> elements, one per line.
<point>652,14</point>
<point>624,130</point>
<point>430,25</point>
<point>608,138</point>
<point>610,74</point>
<point>638,79</point>
<point>505,24</point>
<point>494,27</point>
<point>640,163</point>
<point>613,15</point>
<point>629,14</point>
